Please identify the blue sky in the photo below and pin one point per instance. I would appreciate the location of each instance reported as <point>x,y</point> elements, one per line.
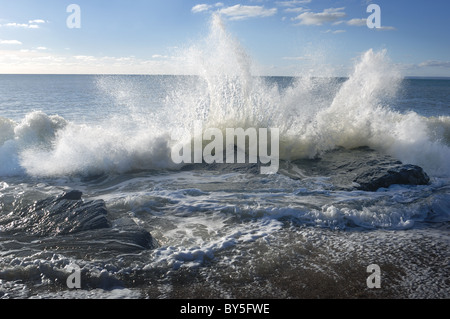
<point>287,37</point>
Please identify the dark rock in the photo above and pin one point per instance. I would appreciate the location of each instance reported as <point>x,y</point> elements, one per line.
<point>61,215</point>
<point>106,242</point>
<point>361,168</point>
<point>68,222</point>
<point>374,179</point>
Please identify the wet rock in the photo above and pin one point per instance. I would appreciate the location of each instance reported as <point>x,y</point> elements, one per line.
<point>361,168</point>
<point>100,243</point>
<point>373,179</point>
<point>60,215</point>
<point>69,222</point>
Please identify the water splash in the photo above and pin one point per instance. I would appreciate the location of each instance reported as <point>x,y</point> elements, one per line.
<point>313,115</point>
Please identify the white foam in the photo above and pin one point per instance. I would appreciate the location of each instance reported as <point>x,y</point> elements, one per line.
<point>96,294</point>
<point>36,131</point>
<point>188,254</point>
<point>94,150</point>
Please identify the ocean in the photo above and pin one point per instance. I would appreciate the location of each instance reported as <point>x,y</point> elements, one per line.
<point>163,230</point>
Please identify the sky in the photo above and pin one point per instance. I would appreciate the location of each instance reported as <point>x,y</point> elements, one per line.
<point>286,37</point>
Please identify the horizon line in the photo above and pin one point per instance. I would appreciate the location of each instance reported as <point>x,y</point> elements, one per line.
<point>168,74</point>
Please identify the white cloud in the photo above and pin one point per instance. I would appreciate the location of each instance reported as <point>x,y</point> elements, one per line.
<point>43,62</point>
<point>20,25</point>
<point>435,63</point>
<point>292,3</point>
<point>357,22</point>
<point>241,12</point>
<point>32,24</point>
<point>295,10</point>
<point>363,23</point>
<point>386,28</point>
<point>205,7</point>
<point>296,58</point>
<point>159,56</point>
<point>13,42</point>
<point>85,57</point>
<point>37,21</point>
<point>236,12</point>
<point>334,31</point>
<point>42,48</point>
<point>327,15</point>
<point>200,8</point>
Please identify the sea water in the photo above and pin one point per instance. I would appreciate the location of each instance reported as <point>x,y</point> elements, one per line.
<point>228,232</point>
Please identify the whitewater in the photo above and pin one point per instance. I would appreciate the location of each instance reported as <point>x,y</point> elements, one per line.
<point>223,231</point>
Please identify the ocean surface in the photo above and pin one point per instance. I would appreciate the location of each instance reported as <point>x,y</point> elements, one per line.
<point>225,231</point>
